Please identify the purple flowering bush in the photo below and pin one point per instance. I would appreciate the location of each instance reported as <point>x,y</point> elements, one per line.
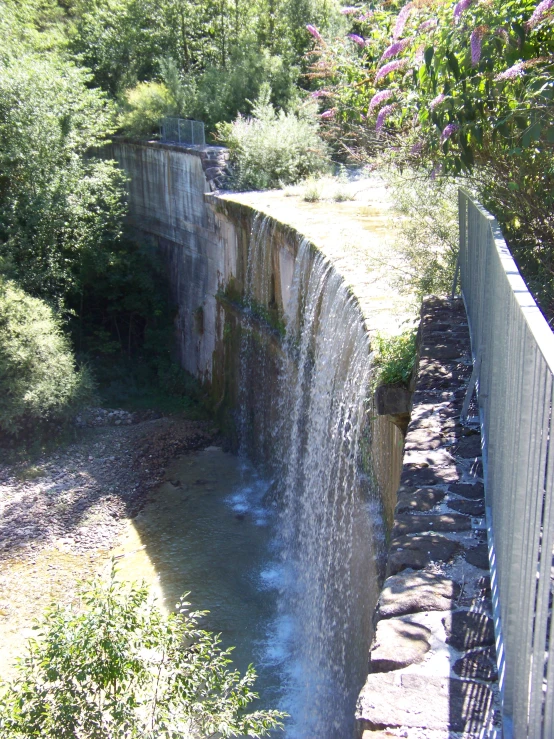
<point>456,87</point>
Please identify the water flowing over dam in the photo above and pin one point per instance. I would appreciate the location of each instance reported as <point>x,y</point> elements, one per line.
<point>279,337</point>
<point>327,537</point>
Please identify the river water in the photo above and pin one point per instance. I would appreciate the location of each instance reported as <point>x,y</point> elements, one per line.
<point>206,530</point>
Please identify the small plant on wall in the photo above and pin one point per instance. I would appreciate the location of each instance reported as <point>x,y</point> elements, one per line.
<point>394,358</point>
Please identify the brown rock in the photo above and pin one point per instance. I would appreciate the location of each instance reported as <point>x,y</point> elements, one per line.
<point>478,556</point>
<point>398,643</point>
<point>418,701</point>
<point>413,523</point>
<point>422,438</point>
<point>423,476</point>
<point>418,499</point>
<point>417,551</point>
<point>468,629</point>
<point>469,507</point>
<point>473,492</point>
<point>416,591</point>
<point>478,665</point>
<point>469,446</point>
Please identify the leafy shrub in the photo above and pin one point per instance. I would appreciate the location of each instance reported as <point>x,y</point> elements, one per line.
<point>394,358</point>
<point>342,196</point>
<point>143,106</point>
<point>118,668</point>
<point>312,193</point>
<point>38,378</point>
<point>57,201</point>
<point>427,234</point>
<point>272,149</point>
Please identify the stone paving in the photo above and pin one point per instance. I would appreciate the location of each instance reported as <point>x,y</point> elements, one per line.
<point>432,665</point>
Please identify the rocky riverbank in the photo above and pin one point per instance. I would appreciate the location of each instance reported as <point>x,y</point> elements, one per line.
<point>61,515</point>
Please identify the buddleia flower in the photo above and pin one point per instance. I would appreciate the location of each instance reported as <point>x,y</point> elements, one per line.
<point>314,32</point>
<point>519,68</point>
<point>356,39</point>
<point>328,114</point>
<point>475,43</point>
<point>397,48</point>
<point>428,25</point>
<point>538,14</point>
<point>390,67</point>
<point>417,148</point>
<point>320,94</point>
<point>511,73</point>
<point>420,54</point>
<point>350,10</point>
<point>401,19</point>
<point>383,114</point>
<point>435,102</point>
<point>378,98</point>
<point>436,171</point>
<point>460,8</point>
<point>503,33</point>
<point>448,131</point>
<point>365,17</point>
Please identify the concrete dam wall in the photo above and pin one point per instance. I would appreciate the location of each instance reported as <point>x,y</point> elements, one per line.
<point>275,325</point>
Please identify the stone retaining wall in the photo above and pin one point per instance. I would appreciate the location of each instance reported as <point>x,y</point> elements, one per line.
<point>432,665</point>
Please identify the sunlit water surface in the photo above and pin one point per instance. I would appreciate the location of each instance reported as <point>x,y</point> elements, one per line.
<point>207,531</point>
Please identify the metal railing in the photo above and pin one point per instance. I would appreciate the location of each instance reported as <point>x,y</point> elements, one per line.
<point>514,346</point>
<point>182,131</point>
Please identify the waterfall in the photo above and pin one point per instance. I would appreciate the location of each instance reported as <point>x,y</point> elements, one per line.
<point>327,538</point>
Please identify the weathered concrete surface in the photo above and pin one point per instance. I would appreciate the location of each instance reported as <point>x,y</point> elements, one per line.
<point>436,560</point>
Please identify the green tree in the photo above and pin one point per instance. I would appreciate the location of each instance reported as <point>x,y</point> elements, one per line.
<point>39,382</point>
<point>116,667</point>
<point>57,200</point>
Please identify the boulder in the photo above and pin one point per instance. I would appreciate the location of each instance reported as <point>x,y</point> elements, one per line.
<point>398,643</point>
<point>468,629</point>
<point>412,592</point>
<point>417,551</point>
<point>425,702</point>
<point>414,523</point>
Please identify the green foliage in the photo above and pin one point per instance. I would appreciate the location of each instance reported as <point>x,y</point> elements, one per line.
<point>39,382</point>
<point>426,224</point>
<point>457,88</point>
<point>144,106</point>
<point>394,358</point>
<point>56,204</point>
<point>116,667</point>
<point>272,149</point>
<point>312,192</point>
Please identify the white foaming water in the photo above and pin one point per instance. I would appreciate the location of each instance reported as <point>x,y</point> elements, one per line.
<point>327,579</point>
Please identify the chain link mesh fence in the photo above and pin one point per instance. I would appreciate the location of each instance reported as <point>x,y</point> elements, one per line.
<point>182,131</point>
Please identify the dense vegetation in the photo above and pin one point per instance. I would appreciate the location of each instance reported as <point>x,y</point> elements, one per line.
<point>454,89</point>
<point>114,666</point>
<point>72,73</point>
<point>427,92</point>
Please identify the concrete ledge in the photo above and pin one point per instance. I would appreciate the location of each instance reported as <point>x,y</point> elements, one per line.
<point>432,662</point>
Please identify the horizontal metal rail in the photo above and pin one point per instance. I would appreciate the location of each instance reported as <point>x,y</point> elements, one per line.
<point>515,396</point>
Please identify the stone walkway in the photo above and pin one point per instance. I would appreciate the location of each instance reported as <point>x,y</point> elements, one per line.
<point>432,664</point>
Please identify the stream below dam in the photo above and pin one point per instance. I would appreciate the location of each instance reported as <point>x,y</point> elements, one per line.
<point>211,530</point>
